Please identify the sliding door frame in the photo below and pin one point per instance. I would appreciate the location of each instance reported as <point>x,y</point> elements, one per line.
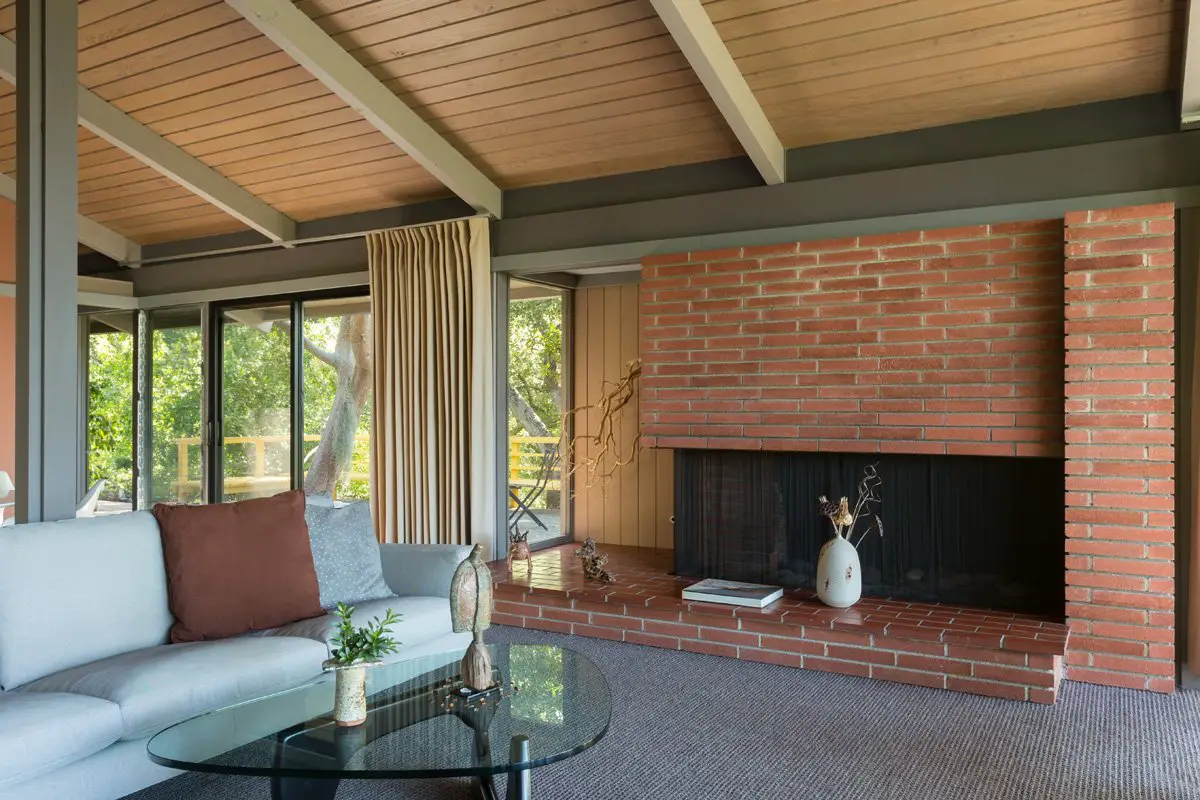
<point>567,479</point>
<point>215,363</point>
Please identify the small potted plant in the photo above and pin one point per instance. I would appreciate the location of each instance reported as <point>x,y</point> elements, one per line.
<point>355,649</point>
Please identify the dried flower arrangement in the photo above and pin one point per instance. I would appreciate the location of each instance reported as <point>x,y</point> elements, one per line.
<point>844,520</point>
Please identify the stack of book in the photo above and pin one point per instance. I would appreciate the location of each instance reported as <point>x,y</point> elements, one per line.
<point>734,593</point>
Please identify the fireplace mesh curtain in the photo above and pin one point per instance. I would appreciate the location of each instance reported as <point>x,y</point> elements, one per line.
<point>431,426</point>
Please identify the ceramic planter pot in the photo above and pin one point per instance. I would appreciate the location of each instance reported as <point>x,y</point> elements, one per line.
<point>349,692</point>
<point>839,575</point>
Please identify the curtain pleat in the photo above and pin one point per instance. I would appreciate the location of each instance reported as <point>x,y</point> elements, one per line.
<point>424,294</point>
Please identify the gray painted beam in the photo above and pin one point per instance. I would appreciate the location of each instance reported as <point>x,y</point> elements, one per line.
<point>1146,115</point>
<point>618,254</point>
<point>1129,118</point>
<point>1010,168</point>
<point>47,407</point>
<point>415,214</point>
<point>1166,162</point>
<point>262,266</point>
<point>698,40</point>
<point>631,187</point>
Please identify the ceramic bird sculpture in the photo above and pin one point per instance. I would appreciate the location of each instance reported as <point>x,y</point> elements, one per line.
<point>471,606</point>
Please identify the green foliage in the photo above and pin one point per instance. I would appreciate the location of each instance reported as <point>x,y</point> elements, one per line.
<point>369,643</point>
<point>257,379</point>
<point>539,671</point>
<point>110,413</point>
<point>256,399</point>
<point>535,339</point>
<point>320,387</point>
<point>176,393</point>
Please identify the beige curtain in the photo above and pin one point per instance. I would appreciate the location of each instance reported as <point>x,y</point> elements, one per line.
<point>431,300</point>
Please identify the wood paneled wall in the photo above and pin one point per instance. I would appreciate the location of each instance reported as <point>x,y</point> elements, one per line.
<point>635,508</point>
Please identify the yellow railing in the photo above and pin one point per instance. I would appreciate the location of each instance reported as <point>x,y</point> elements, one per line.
<point>258,479</point>
<point>524,463</point>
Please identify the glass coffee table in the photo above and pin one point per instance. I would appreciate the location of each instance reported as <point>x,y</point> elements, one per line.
<point>552,703</point>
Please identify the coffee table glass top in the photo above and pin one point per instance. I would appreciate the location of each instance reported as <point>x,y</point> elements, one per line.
<point>415,727</point>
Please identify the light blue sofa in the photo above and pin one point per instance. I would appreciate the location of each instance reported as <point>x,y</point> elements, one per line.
<point>87,675</point>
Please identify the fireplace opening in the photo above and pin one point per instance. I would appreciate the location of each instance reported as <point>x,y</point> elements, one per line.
<point>969,530</point>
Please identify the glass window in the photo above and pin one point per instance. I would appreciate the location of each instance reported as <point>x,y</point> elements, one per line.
<point>338,382</point>
<point>537,391</point>
<point>176,406</point>
<point>274,434</point>
<point>256,401</point>
<point>110,358</point>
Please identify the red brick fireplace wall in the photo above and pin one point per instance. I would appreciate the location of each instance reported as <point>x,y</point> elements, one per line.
<point>947,341</point>
<point>1041,338</point>
<point>1120,386</point>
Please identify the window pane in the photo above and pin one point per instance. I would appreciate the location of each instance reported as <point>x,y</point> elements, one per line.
<point>256,398</point>
<point>338,374</point>
<point>176,399</point>
<point>110,410</point>
<point>536,395</point>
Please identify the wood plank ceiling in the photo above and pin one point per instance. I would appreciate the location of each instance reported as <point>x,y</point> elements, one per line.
<point>829,70</point>
<point>540,91</point>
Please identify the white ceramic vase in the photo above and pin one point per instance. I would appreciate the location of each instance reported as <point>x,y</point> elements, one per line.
<point>350,695</point>
<point>839,575</point>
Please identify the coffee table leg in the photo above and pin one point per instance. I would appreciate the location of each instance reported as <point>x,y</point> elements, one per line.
<point>518,782</point>
<point>487,787</point>
<point>303,788</point>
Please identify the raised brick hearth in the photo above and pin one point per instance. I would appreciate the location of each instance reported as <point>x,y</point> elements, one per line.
<point>995,654</point>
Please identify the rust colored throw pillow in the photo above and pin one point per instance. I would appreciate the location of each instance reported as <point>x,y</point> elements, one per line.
<point>237,567</point>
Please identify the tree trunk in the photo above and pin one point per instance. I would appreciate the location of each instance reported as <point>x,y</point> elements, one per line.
<point>525,413</point>
<point>353,361</point>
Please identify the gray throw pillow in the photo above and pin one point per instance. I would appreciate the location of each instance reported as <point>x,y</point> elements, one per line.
<point>345,553</point>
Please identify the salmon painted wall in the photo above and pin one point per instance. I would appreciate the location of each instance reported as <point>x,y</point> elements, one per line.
<point>8,329</point>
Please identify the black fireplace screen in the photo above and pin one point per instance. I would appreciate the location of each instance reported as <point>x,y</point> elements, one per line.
<point>969,530</point>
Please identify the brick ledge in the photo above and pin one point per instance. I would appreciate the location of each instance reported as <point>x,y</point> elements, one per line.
<point>947,647</point>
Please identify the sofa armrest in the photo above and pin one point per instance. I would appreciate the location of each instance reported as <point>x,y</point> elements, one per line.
<point>423,570</point>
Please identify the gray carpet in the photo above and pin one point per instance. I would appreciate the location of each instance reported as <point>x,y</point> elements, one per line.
<point>691,726</point>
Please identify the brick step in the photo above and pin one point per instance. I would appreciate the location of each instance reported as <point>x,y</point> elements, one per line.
<point>996,654</point>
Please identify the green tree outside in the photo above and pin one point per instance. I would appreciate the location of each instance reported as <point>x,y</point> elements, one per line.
<point>257,378</point>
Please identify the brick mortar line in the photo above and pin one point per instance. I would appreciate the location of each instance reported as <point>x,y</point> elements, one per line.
<point>817,251</point>
<point>826,657</point>
<point>821,630</point>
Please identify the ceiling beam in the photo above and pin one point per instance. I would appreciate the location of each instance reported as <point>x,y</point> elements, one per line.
<point>697,37</point>
<point>99,237</point>
<point>301,38</point>
<point>123,131</point>
<point>1189,106</point>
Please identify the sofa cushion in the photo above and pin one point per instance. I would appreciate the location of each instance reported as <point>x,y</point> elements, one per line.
<point>422,619</point>
<point>237,567</point>
<point>160,686</point>
<point>345,553</point>
<point>42,732</point>
<point>79,590</point>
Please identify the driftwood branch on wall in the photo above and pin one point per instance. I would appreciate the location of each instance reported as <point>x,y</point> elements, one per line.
<point>607,453</point>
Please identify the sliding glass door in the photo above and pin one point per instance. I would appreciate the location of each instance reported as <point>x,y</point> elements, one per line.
<point>222,402</point>
<point>172,435</point>
<point>338,376</point>
<point>109,410</point>
<point>292,408</point>
<point>255,401</point>
<point>538,394</point>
